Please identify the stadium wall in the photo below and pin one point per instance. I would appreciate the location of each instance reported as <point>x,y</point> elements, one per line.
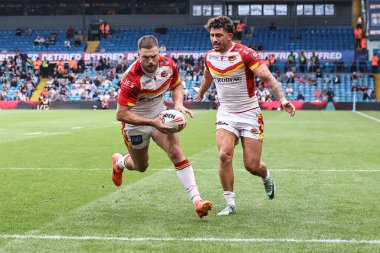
<point>342,17</point>
<point>91,105</point>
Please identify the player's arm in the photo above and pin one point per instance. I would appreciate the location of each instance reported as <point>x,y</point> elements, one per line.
<point>124,114</point>
<point>205,85</point>
<point>265,75</point>
<point>178,94</point>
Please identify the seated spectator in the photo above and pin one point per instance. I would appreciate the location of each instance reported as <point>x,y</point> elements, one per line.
<point>18,31</point>
<point>327,79</point>
<point>67,43</point>
<point>318,73</point>
<point>104,29</point>
<point>289,91</point>
<point>53,38</point>
<point>300,96</point>
<point>70,32</point>
<point>336,79</point>
<point>77,42</point>
<point>318,95</point>
<point>272,27</point>
<point>162,48</point>
<point>161,30</point>
<point>39,41</point>
<point>289,75</point>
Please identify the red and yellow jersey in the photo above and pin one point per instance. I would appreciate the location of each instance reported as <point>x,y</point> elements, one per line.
<point>233,77</point>
<point>146,93</point>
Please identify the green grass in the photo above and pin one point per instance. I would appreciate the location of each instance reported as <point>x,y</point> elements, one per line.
<point>55,181</point>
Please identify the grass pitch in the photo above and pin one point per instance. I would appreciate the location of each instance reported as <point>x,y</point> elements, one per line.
<point>57,194</point>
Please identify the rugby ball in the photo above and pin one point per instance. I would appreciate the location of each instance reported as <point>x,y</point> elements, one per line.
<point>175,119</point>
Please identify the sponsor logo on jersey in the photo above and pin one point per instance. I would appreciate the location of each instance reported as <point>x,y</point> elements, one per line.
<point>225,80</point>
<point>146,99</point>
<point>164,74</point>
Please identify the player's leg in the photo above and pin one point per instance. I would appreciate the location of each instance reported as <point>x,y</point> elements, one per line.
<point>170,144</point>
<point>252,161</point>
<point>137,143</point>
<point>225,141</point>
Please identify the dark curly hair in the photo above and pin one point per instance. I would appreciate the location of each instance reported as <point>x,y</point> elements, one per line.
<point>223,22</point>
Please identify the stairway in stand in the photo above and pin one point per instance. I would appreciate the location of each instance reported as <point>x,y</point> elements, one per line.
<point>40,87</point>
<point>92,46</point>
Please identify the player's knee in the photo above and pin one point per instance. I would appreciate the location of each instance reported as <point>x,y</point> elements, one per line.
<point>225,157</point>
<point>255,167</point>
<point>141,167</point>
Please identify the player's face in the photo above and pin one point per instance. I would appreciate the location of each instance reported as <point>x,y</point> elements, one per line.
<point>149,59</point>
<point>220,39</point>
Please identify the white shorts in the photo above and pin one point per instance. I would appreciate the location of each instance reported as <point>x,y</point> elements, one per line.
<point>137,137</point>
<point>248,124</point>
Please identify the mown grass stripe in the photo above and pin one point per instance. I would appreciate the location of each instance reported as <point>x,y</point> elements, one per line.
<point>193,239</point>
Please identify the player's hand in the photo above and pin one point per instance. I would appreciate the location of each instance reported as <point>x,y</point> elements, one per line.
<point>289,107</point>
<point>199,97</point>
<point>184,110</point>
<point>161,127</point>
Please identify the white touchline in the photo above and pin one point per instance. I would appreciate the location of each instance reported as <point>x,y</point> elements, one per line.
<point>201,170</point>
<point>190,239</point>
<point>367,116</point>
<point>78,127</point>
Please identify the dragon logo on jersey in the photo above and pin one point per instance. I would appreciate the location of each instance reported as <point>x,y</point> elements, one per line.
<point>232,58</point>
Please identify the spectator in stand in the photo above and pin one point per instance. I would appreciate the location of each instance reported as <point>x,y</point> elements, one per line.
<point>289,92</point>
<point>18,31</point>
<point>289,75</point>
<point>318,95</point>
<point>363,43</point>
<point>53,38</point>
<point>45,68</point>
<point>318,73</point>
<point>272,63</point>
<point>303,62</point>
<point>374,63</point>
<point>359,21</point>
<point>327,79</point>
<point>77,42</point>
<point>358,32</point>
<point>104,30</point>
<point>290,61</point>
<point>300,96</point>
<point>37,65</point>
<point>67,43</point>
<point>272,27</point>
<point>73,64</point>
<point>240,29</point>
<point>70,32</point>
<point>314,62</point>
<point>330,95</point>
<point>336,79</point>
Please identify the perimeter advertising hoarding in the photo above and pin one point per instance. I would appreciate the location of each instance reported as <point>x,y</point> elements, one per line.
<point>52,57</point>
<point>373,18</point>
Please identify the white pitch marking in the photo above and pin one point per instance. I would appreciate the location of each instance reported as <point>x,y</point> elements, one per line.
<point>202,170</point>
<point>367,116</point>
<point>191,239</point>
<point>78,127</point>
<point>34,133</point>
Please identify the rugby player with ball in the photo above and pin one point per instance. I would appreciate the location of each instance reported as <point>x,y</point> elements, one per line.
<point>141,109</point>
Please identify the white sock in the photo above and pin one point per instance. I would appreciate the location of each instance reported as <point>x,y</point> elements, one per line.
<point>121,162</point>
<point>266,178</point>
<point>186,176</point>
<point>229,197</point>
